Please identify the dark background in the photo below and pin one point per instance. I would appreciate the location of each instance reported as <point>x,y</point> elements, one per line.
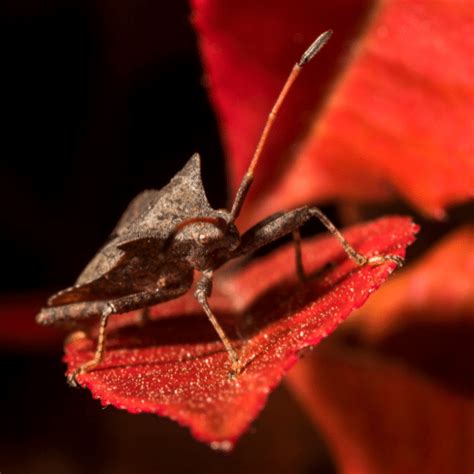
<point>98,101</point>
<point>86,126</point>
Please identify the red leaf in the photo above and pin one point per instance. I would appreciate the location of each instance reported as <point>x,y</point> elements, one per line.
<point>422,319</point>
<point>424,293</point>
<point>18,328</point>
<point>399,117</point>
<point>381,417</point>
<point>248,50</point>
<point>175,366</point>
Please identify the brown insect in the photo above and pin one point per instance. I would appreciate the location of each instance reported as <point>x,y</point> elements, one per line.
<point>164,235</point>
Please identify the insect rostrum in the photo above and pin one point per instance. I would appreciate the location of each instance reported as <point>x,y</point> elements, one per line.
<point>164,235</point>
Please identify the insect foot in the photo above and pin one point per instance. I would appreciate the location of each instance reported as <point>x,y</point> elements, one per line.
<point>236,369</point>
<point>374,260</point>
<point>88,366</point>
<point>379,259</point>
<point>72,378</point>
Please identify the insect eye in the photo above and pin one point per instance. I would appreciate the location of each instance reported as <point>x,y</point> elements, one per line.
<point>204,239</point>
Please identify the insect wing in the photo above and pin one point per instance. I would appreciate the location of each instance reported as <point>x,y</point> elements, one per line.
<point>115,272</point>
<point>131,259</point>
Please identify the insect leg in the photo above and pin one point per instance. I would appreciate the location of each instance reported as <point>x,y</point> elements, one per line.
<point>144,316</point>
<point>281,224</point>
<point>100,350</point>
<point>351,251</point>
<point>298,259</point>
<point>203,291</point>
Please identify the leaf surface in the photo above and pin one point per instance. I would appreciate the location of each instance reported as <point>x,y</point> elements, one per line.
<point>174,366</point>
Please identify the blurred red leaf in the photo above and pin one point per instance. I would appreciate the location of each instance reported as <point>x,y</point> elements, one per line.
<point>381,417</point>
<point>399,118</point>
<point>247,62</point>
<point>18,329</point>
<point>175,366</point>
<point>424,315</point>
<point>437,289</point>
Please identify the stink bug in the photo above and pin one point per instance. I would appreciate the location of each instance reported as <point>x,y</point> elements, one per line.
<point>164,235</point>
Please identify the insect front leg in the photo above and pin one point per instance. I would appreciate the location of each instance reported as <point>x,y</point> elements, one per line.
<point>127,303</point>
<point>100,349</point>
<point>281,224</point>
<point>202,292</point>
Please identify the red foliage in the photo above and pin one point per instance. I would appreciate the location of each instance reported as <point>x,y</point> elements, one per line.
<point>18,328</point>
<point>175,367</point>
<point>380,416</point>
<point>248,49</point>
<point>409,371</point>
<point>398,119</point>
<point>423,293</point>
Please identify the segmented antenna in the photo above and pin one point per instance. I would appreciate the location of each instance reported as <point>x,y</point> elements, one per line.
<point>314,49</point>
<point>246,182</point>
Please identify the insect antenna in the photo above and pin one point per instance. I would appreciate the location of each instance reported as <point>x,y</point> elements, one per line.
<point>247,180</point>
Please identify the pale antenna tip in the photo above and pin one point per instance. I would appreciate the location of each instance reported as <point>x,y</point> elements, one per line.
<point>315,47</point>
